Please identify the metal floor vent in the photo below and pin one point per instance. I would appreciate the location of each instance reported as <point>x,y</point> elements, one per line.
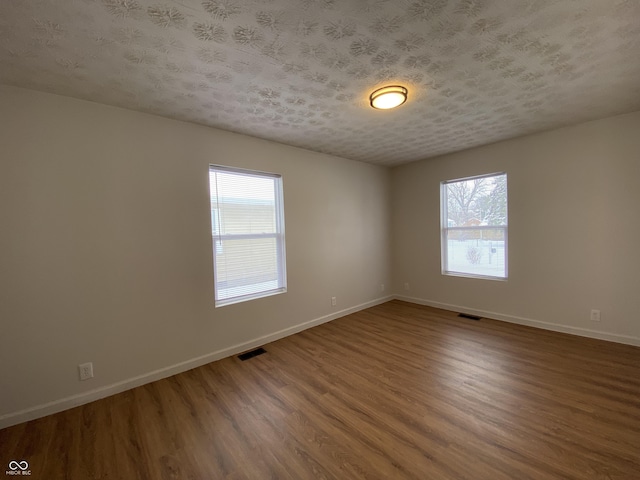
<point>252,353</point>
<point>469,316</point>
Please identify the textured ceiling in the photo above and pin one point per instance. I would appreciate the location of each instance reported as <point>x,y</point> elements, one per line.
<point>300,71</point>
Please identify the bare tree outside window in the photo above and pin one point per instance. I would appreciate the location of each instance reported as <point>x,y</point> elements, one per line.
<point>474,226</point>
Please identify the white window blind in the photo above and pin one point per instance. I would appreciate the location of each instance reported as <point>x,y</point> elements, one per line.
<point>248,234</point>
<point>474,226</point>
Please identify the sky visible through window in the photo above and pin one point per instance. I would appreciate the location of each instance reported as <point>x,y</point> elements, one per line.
<point>474,226</point>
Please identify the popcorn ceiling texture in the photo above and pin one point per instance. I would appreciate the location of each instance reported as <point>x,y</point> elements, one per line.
<point>300,71</point>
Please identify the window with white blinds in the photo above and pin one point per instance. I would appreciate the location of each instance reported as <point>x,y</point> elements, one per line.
<point>247,227</point>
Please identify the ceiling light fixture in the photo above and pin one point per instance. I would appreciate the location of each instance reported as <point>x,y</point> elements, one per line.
<point>388,97</point>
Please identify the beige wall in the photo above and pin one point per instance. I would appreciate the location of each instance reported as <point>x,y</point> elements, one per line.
<point>106,256</point>
<point>574,230</point>
<point>105,242</point>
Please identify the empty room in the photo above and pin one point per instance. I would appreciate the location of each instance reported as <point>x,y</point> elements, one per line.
<point>320,239</point>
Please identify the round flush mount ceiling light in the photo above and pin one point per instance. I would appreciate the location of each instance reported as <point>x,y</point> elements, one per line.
<point>388,97</point>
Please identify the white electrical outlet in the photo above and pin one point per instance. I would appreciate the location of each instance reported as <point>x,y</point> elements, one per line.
<point>334,301</point>
<point>86,371</point>
<point>595,315</point>
<point>406,286</point>
<point>382,287</point>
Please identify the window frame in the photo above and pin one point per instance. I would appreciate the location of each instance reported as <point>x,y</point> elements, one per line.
<point>279,236</point>
<point>445,228</point>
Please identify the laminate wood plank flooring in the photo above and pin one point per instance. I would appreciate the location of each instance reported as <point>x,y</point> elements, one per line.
<point>397,391</point>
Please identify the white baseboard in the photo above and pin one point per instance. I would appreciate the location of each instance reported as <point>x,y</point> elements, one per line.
<point>556,327</point>
<point>66,403</point>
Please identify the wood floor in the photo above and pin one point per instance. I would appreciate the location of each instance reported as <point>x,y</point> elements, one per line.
<point>398,391</point>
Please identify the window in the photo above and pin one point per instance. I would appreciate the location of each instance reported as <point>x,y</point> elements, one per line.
<point>474,226</point>
<point>215,230</point>
<point>248,234</point>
